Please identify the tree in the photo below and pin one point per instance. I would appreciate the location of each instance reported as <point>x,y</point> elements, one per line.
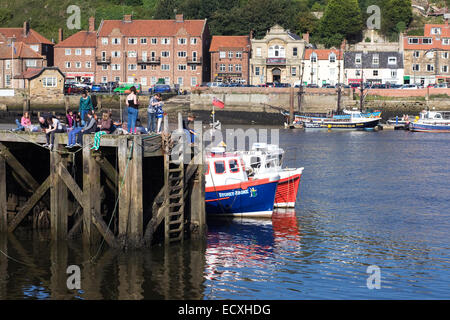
<point>342,20</point>
<point>394,12</point>
<point>165,9</point>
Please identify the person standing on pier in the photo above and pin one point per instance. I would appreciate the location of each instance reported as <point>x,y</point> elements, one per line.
<point>133,112</point>
<point>85,106</point>
<point>159,116</point>
<point>151,111</point>
<point>189,132</point>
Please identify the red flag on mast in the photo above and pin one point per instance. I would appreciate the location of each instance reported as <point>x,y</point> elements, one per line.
<point>216,102</point>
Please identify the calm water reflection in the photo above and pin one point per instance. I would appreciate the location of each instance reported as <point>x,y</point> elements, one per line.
<point>365,199</point>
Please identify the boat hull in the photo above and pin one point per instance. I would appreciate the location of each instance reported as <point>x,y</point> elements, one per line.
<point>287,189</point>
<point>421,127</point>
<point>247,199</point>
<point>342,125</point>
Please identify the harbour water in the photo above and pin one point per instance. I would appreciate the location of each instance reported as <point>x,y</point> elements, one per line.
<point>366,199</point>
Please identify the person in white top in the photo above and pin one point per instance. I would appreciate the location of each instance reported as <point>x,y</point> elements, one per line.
<point>54,126</point>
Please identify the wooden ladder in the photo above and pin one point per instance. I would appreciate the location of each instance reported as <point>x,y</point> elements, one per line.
<point>174,219</point>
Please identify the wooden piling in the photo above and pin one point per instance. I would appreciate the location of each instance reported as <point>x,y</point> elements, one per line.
<point>3,197</point>
<point>124,194</point>
<point>58,196</point>
<point>136,197</point>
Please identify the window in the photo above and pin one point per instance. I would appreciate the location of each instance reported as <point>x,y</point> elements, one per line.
<point>144,81</point>
<point>131,80</point>
<point>153,81</point>
<point>238,55</point>
<point>219,167</point>
<point>180,81</point>
<point>88,52</point>
<point>445,55</point>
<point>182,67</point>
<point>435,30</point>
<point>393,74</point>
<point>427,40</point>
<point>193,67</point>
<point>143,67</point>
<point>104,79</point>
<point>276,52</point>
<point>446,41</point>
<point>68,52</point>
<point>416,67</point>
<point>376,59</point>
<point>222,54</point>
<point>8,80</point>
<point>8,64</point>
<point>358,58</point>
<point>230,54</point>
<point>193,40</point>
<point>313,57</point>
<point>165,54</point>
<point>222,67</point>
<point>444,68</point>
<point>104,67</point>
<point>104,41</point>
<point>132,66</point>
<point>238,67</point>
<point>165,67</point>
<point>375,73</point>
<point>117,78</point>
<point>78,52</point>
<point>49,82</point>
<point>115,41</point>
<point>132,40</point>
<point>167,80</point>
<point>115,54</point>
<point>194,55</point>
<point>68,64</point>
<point>332,58</point>
<point>144,41</point>
<point>30,63</point>
<point>295,51</point>
<point>430,67</point>
<point>430,55</point>
<point>154,41</point>
<point>257,71</point>
<point>293,71</point>
<point>358,73</point>
<point>182,41</point>
<point>165,41</point>
<point>193,81</point>
<point>230,68</point>
<point>116,66</point>
<point>88,64</point>
<point>392,60</point>
<point>132,54</point>
<point>413,40</point>
<point>181,54</point>
<point>416,54</point>
<point>234,166</point>
<point>78,64</point>
<point>35,47</point>
<point>258,52</point>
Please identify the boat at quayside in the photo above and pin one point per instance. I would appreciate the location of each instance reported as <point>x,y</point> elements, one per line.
<point>262,160</point>
<point>230,192</point>
<point>431,121</point>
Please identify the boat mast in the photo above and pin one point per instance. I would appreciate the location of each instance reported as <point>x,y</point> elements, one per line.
<point>339,92</point>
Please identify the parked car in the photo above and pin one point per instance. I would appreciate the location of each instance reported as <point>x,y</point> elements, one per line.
<point>70,88</point>
<point>214,84</point>
<point>312,85</point>
<point>282,85</point>
<point>125,88</point>
<point>99,88</point>
<point>410,86</point>
<point>440,85</point>
<point>159,88</point>
<point>355,85</point>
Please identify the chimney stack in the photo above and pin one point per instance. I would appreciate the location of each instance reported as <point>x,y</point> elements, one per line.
<point>305,37</point>
<point>26,28</point>
<point>91,24</point>
<point>127,18</point>
<point>60,35</point>
<point>179,17</point>
<point>251,34</point>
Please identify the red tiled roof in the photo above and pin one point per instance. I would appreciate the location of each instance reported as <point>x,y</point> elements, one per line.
<point>229,42</point>
<point>33,37</point>
<point>22,51</point>
<point>157,28</point>
<point>322,54</point>
<point>445,29</point>
<point>80,39</point>
<point>29,73</point>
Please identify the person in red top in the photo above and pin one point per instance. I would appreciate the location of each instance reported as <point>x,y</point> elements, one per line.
<point>25,122</point>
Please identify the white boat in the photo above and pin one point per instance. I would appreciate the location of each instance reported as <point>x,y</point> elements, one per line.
<point>431,121</point>
<point>262,161</point>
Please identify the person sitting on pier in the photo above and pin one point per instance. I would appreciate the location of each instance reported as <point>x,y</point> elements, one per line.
<point>90,127</point>
<point>55,126</point>
<point>76,128</point>
<point>106,127</point>
<point>70,118</point>
<point>25,122</point>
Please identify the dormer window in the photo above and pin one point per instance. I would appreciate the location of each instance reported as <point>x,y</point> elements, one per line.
<point>332,58</point>
<point>313,57</point>
<point>358,58</point>
<point>435,30</point>
<point>375,59</point>
<point>392,60</point>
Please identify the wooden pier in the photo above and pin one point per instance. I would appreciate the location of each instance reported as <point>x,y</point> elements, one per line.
<point>130,193</point>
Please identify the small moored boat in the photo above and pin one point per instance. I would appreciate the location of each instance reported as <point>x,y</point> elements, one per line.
<point>431,121</point>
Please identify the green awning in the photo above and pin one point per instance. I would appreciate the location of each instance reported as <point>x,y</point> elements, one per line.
<point>406,78</point>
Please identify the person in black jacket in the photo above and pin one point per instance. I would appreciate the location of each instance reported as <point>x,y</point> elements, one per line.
<point>90,127</point>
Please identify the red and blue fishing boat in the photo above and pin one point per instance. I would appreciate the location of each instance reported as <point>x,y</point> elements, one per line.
<point>230,192</point>
<point>431,121</point>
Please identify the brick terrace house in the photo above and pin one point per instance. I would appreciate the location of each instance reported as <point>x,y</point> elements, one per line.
<point>230,57</point>
<point>30,37</point>
<point>323,66</point>
<point>144,51</point>
<point>16,60</point>
<point>427,57</point>
<point>75,56</point>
